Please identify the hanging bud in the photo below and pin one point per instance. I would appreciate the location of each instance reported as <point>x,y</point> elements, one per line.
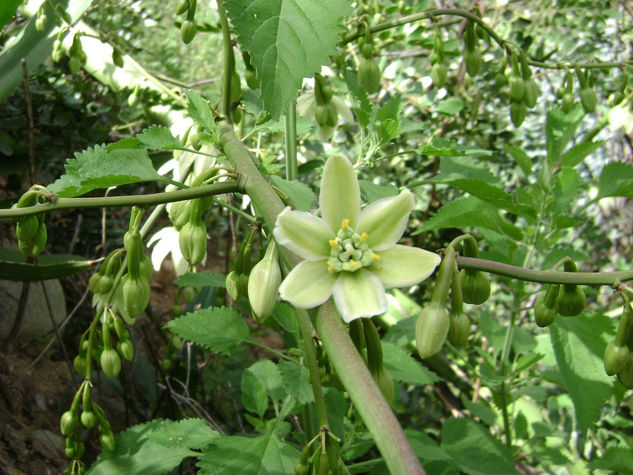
<point>431,329</point>
<point>110,362</point>
<point>571,299</point>
<point>369,75</point>
<point>263,284</point>
<point>543,316</point>
<point>473,60</point>
<point>459,329</point>
<point>616,358</point>
<point>193,242</point>
<point>136,293</point>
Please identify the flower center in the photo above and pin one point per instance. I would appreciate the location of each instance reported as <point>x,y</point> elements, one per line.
<point>349,251</point>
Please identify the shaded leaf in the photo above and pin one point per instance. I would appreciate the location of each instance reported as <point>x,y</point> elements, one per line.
<point>560,128</point>
<point>254,396</point>
<point>474,449</point>
<point>296,380</point>
<point>199,110</point>
<point>466,212</point>
<point>450,107</point>
<point>448,148</point>
<point>218,329</point>
<point>372,192</point>
<point>579,345</point>
<point>616,179</point>
<point>404,368</point>
<point>614,459</point>
<point>360,100</point>
<point>520,157</point>
<point>189,433</point>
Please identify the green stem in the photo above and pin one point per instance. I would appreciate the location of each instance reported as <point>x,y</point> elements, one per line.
<point>545,276</point>
<point>246,216</point>
<point>305,327</point>
<point>365,394</point>
<point>291,142</point>
<point>229,62</point>
<point>126,200</point>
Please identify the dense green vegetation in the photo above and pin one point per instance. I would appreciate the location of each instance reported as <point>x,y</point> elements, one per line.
<point>509,121</point>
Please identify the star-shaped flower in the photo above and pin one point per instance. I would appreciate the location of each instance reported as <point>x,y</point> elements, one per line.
<point>348,252</point>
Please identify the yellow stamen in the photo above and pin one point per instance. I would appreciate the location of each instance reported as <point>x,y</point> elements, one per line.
<point>345,223</point>
<point>363,237</point>
<point>353,265</point>
<point>375,257</point>
<point>330,267</point>
<point>333,243</point>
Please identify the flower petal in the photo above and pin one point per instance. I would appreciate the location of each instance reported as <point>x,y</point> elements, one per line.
<point>303,233</point>
<point>403,266</point>
<point>307,285</point>
<point>359,294</point>
<point>340,194</point>
<point>385,220</point>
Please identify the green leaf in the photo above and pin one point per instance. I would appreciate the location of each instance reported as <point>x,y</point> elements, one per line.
<point>360,100</point>
<point>7,9</point>
<point>579,344</point>
<point>284,314</point>
<point>218,329</point>
<point>372,192</point>
<point>466,212</point>
<point>462,173</point>
<point>450,107</point>
<point>474,449</point>
<point>386,123</point>
<point>425,447</point>
<point>200,111</point>
<point>478,409</point>
<point>266,454</point>
<point>254,396</point>
<point>198,280</point>
<point>614,459</point>
<point>296,380</point>
<point>577,153</point>
<point>189,433</point>
<point>521,158</point>
<point>560,129</point>
<point>404,368</point>
<point>62,266</point>
<point>157,137</point>
<point>616,179</point>
<point>99,167</point>
<point>567,183</point>
<point>269,375</point>
<point>448,148</point>
<point>136,454</point>
<point>287,40</point>
<point>559,252</point>
<point>301,195</point>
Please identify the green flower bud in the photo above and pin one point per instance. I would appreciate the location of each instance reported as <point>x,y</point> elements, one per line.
<point>438,74</point>
<point>193,242</point>
<point>68,422</point>
<point>369,75</point>
<point>531,93</point>
<point>27,228</point>
<point>517,88</point>
<point>136,293</point>
<point>188,31</point>
<point>431,329</point>
<point>80,363</point>
<point>616,358</point>
<point>543,316</point>
<point>475,286</point>
<point>473,60</point>
<point>107,441</point>
<point>251,79</point>
<point>117,58</point>
<point>126,349</point>
<point>263,284</point>
<point>179,213</point>
<point>518,112</point>
<point>459,329</point>
<point>182,7</point>
<point>88,419</point>
<point>110,362</point>
<point>589,99</point>
<point>625,375</point>
<point>571,301</point>
<point>500,80</point>
<point>568,103</point>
